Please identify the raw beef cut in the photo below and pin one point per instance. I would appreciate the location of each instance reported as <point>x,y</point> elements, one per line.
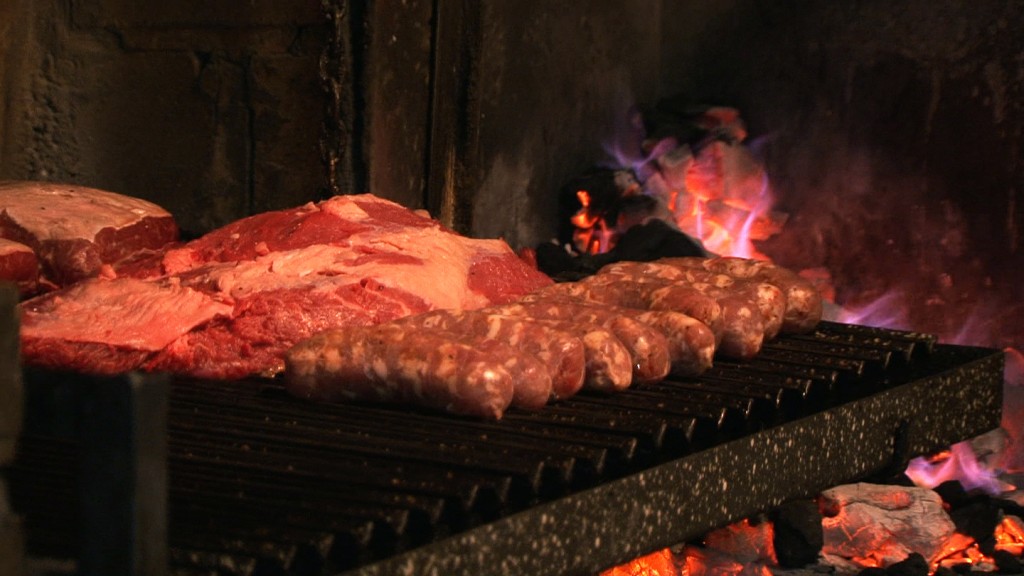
<point>75,230</point>
<point>18,264</point>
<point>286,275</point>
<point>109,326</point>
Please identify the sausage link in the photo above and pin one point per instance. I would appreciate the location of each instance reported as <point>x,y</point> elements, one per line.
<point>651,293</point>
<point>804,304</point>
<point>648,347</point>
<point>609,365</point>
<point>560,353</point>
<point>390,363</point>
<point>691,343</point>
<point>770,300</point>
<point>643,271</point>
<point>742,326</point>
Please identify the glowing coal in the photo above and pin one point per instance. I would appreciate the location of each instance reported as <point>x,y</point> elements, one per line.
<point>700,177</point>
<point>868,525</point>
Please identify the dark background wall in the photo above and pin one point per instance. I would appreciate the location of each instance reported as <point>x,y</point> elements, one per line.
<point>892,130</point>
<point>212,111</point>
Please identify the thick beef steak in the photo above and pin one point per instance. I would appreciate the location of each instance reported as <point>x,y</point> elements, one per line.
<point>274,279</point>
<point>75,230</point>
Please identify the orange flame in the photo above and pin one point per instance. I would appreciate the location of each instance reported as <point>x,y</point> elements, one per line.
<point>592,234</point>
<point>724,201</point>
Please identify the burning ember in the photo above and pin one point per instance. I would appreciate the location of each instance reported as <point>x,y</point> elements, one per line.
<point>861,526</point>
<point>699,177</point>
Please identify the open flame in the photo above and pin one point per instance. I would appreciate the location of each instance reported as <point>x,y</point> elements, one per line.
<point>715,190</point>
<point>959,463</point>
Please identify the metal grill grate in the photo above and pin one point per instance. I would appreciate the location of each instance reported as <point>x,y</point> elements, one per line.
<point>261,483</point>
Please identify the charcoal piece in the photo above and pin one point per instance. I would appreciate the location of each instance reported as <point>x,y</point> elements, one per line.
<point>944,571</point>
<point>872,571</point>
<point>977,520</point>
<point>1009,507</point>
<point>642,243</point>
<point>914,565</point>
<point>798,533</point>
<point>1006,562</point>
<point>554,261</point>
<point>652,240</point>
<point>952,492</point>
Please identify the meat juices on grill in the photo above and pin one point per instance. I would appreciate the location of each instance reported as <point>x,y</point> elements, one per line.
<point>390,363</point>
<point>559,352</point>
<point>649,348</point>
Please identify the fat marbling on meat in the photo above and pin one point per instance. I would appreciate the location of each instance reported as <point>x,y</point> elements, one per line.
<point>281,277</point>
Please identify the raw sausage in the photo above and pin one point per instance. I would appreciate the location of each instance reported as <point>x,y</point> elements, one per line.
<point>691,344</point>
<point>648,347</point>
<point>804,303</point>
<point>770,300</point>
<point>389,363</point>
<point>560,353</point>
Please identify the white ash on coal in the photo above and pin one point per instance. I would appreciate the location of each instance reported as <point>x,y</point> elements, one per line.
<point>877,525</point>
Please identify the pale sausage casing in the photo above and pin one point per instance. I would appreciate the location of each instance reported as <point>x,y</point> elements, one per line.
<point>388,363</point>
<point>559,354</point>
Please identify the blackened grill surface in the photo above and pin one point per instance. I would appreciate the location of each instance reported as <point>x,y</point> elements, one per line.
<point>262,483</point>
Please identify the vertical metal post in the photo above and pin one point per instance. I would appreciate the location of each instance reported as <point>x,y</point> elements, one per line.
<point>12,547</point>
<point>123,475</point>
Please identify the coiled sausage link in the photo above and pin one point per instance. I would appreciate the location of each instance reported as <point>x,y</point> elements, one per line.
<point>649,294</point>
<point>769,299</point>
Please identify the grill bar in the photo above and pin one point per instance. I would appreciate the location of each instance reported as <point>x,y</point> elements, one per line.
<point>263,483</point>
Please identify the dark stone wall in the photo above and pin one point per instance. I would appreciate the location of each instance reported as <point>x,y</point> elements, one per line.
<point>209,110</point>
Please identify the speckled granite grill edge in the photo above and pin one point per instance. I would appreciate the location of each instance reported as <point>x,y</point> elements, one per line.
<point>667,504</point>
